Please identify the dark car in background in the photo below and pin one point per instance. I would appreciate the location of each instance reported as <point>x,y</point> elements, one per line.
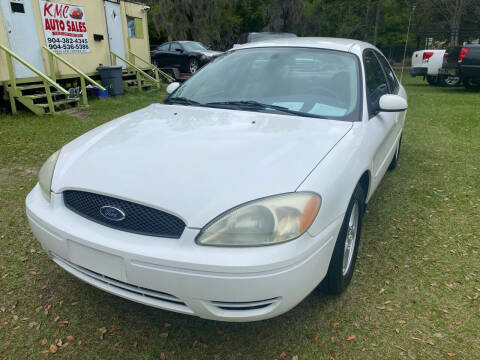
<point>463,61</point>
<point>182,58</point>
<point>262,36</point>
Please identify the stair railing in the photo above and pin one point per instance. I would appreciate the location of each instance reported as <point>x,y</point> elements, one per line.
<point>157,71</point>
<point>82,75</point>
<point>139,72</point>
<point>47,82</point>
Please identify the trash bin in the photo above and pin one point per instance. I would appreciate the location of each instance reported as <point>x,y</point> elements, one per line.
<point>111,79</point>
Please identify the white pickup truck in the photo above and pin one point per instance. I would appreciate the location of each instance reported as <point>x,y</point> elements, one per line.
<point>426,63</point>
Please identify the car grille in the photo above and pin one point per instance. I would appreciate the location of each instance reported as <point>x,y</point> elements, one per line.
<point>138,218</point>
<point>245,306</point>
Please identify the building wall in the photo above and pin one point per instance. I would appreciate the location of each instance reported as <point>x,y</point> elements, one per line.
<point>3,60</point>
<point>140,47</point>
<point>96,24</point>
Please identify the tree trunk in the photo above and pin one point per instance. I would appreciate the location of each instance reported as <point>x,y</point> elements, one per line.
<point>367,13</point>
<point>377,21</point>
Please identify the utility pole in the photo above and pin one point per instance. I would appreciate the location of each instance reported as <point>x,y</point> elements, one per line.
<point>406,41</point>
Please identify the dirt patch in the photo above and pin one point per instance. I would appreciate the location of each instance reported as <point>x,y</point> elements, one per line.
<point>27,171</point>
<point>24,171</point>
<point>80,114</point>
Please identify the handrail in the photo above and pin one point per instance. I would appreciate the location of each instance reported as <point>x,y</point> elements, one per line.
<point>32,68</point>
<point>154,67</point>
<point>78,71</point>
<point>83,76</point>
<point>139,71</point>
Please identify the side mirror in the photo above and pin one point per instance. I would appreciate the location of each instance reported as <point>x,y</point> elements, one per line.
<point>179,50</point>
<point>392,103</point>
<point>172,87</point>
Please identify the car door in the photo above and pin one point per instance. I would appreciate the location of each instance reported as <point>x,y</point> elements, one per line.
<point>161,54</point>
<point>381,126</point>
<point>177,56</point>
<point>395,89</point>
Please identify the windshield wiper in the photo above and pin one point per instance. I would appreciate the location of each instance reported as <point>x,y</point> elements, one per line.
<point>255,105</point>
<point>181,101</point>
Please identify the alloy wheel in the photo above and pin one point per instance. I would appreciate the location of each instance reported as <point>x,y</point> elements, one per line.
<point>350,239</point>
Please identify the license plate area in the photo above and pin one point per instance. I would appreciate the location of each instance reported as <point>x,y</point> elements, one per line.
<point>96,260</point>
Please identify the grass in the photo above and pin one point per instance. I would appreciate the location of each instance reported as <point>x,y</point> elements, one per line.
<point>415,293</point>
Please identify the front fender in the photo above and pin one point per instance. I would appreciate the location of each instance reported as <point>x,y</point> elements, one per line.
<point>336,177</point>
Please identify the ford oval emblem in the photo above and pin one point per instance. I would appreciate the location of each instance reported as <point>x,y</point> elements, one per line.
<point>112,213</point>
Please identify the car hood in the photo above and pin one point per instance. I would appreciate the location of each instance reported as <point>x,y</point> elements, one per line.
<point>209,53</point>
<point>196,162</point>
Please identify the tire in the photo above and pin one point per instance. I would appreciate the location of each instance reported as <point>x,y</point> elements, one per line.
<point>449,81</point>
<point>471,84</point>
<point>342,263</point>
<point>193,65</point>
<point>432,80</point>
<point>393,163</point>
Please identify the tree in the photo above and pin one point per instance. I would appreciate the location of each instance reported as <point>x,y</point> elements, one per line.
<point>452,11</point>
<point>284,15</point>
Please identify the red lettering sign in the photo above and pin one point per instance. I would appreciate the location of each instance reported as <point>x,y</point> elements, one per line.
<point>64,27</point>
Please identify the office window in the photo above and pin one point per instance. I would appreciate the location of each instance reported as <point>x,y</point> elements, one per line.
<point>17,8</point>
<point>135,27</point>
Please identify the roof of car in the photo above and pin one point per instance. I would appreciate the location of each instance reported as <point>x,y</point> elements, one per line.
<point>340,44</point>
<point>271,33</point>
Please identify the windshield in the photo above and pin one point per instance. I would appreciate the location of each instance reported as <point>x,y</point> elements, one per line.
<point>194,46</point>
<point>300,81</point>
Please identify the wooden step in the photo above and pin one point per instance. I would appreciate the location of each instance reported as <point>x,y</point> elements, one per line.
<point>42,95</point>
<point>144,84</point>
<point>60,102</point>
<point>31,87</point>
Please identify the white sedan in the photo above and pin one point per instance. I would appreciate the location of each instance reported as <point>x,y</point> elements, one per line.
<point>239,194</point>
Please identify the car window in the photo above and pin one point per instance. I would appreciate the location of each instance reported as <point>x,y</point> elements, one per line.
<point>315,82</point>
<point>391,78</point>
<point>163,47</point>
<point>194,46</point>
<point>376,81</point>
<point>175,47</point>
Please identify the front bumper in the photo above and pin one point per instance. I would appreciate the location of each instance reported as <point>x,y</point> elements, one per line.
<point>226,284</point>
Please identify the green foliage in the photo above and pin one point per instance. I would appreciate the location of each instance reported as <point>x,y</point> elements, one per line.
<point>383,22</point>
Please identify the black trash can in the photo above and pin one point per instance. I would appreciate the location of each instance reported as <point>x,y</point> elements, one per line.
<point>111,79</point>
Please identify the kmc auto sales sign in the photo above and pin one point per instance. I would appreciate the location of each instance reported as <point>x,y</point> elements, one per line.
<point>64,27</point>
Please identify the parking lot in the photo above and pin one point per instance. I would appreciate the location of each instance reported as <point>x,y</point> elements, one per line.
<point>415,293</point>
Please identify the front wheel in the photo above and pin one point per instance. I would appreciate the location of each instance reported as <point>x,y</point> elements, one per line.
<point>342,263</point>
<point>193,65</point>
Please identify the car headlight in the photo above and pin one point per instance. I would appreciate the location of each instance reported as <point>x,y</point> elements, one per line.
<point>272,220</point>
<point>203,57</point>
<point>45,174</point>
